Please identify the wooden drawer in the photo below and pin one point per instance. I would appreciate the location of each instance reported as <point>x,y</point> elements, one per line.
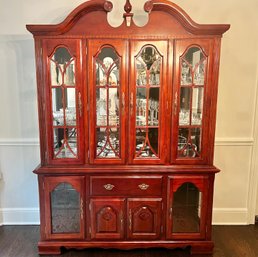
<point>126,185</point>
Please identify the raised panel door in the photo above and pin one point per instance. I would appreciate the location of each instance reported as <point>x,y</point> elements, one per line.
<point>147,93</point>
<point>107,218</point>
<point>65,207</point>
<point>144,218</point>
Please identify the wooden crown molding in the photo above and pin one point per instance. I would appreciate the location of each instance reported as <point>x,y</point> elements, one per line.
<point>150,6</point>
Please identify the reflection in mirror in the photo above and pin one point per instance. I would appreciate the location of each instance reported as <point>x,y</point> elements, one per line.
<point>63,100</point>
<point>148,82</point>
<point>65,209</point>
<point>197,105</point>
<point>153,107</point>
<point>62,65</point>
<point>193,67</point>
<point>101,106</point>
<point>186,209</point>
<point>65,143</point>
<point>148,64</point>
<point>107,67</point>
<point>141,106</point>
<point>184,114</point>
<point>189,142</point>
<point>108,142</point>
<point>147,142</point>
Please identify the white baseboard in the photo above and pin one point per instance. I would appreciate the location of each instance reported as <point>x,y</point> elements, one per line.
<point>230,216</point>
<point>30,216</point>
<point>19,216</point>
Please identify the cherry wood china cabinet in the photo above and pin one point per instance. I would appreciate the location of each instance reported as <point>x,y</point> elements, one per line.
<point>127,124</point>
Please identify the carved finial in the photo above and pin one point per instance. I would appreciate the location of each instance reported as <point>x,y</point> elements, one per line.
<point>148,6</point>
<point>128,6</point>
<point>108,6</point>
<point>128,15</point>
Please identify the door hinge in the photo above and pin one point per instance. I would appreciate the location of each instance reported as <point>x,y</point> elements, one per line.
<point>90,231</point>
<point>41,51</point>
<point>43,185</point>
<point>161,229</point>
<point>162,206</point>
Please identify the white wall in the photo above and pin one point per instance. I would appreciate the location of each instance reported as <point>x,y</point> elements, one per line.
<point>236,140</point>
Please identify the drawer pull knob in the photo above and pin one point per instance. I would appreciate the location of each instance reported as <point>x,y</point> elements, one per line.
<point>109,187</point>
<point>143,186</point>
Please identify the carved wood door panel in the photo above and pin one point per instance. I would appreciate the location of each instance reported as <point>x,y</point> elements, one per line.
<point>144,218</point>
<point>107,218</point>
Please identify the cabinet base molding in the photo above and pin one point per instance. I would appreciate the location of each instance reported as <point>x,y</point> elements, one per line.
<point>197,247</point>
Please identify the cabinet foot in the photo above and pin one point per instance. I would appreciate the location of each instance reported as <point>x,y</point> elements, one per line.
<point>46,249</point>
<point>206,248</point>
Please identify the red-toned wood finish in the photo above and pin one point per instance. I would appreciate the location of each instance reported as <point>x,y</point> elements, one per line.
<point>107,218</point>
<point>128,181</point>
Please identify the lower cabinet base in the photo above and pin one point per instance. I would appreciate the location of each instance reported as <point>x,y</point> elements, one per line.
<point>197,247</point>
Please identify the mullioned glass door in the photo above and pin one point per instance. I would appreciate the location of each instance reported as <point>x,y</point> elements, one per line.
<point>64,101</point>
<point>147,89</point>
<point>191,94</point>
<point>108,101</point>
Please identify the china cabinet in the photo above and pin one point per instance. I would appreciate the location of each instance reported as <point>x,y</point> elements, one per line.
<point>127,123</point>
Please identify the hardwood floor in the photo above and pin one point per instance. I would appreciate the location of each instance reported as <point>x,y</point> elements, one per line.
<point>230,241</point>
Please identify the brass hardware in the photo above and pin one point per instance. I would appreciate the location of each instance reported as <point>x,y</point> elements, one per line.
<point>121,219</point>
<point>131,103</point>
<point>130,219</point>
<point>123,102</point>
<point>109,187</point>
<point>81,209</point>
<point>80,104</point>
<point>143,186</point>
<point>171,211</point>
<point>175,104</point>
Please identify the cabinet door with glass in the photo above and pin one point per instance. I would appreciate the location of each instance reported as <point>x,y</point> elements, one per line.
<point>107,85</point>
<point>148,64</point>
<point>64,209</point>
<point>187,207</point>
<point>63,103</point>
<point>192,92</point>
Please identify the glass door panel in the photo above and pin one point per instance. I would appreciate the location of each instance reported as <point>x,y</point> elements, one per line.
<point>107,103</point>
<point>64,210</point>
<point>186,209</point>
<point>107,90</point>
<point>65,104</point>
<point>191,94</point>
<point>147,85</point>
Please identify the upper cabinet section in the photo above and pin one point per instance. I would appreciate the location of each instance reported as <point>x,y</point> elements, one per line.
<point>127,95</point>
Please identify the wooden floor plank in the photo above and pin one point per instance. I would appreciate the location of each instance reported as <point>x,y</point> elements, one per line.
<point>230,241</point>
